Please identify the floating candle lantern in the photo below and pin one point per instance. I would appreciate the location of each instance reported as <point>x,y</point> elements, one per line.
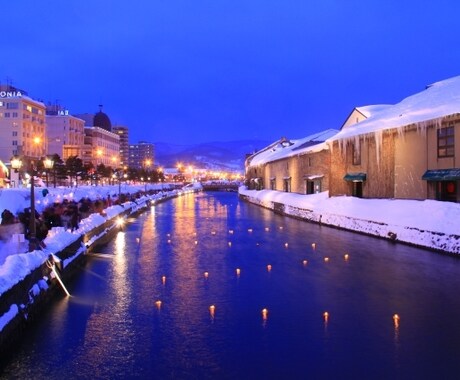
<point>326,316</point>
<point>238,271</point>
<point>158,304</point>
<point>313,245</point>
<point>305,262</point>
<point>396,320</point>
<point>346,256</point>
<point>269,267</point>
<point>163,280</point>
<point>206,274</point>
<point>264,314</point>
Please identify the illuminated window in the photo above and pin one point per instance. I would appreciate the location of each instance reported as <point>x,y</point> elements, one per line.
<point>446,142</point>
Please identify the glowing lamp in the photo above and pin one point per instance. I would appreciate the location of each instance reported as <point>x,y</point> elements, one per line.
<point>238,271</point>
<point>269,267</point>
<point>264,314</point>
<point>313,245</point>
<point>158,304</point>
<point>396,320</point>
<point>250,230</point>
<point>229,243</point>
<point>267,229</point>
<point>286,245</point>
<point>326,316</point>
<point>206,274</point>
<point>346,257</point>
<point>163,280</point>
<point>326,259</point>
<point>305,262</point>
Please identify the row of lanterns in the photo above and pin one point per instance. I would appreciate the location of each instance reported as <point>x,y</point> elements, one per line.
<point>264,311</point>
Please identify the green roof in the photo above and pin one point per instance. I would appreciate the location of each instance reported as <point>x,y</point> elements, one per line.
<point>442,175</point>
<point>355,177</point>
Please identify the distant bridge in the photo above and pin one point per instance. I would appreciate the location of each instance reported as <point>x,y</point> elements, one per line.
<point>220,185</point>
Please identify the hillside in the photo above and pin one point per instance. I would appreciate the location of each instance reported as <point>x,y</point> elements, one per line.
<point>227,155</point>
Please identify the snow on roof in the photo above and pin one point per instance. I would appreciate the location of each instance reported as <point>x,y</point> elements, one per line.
<point>286,148</point>
<point>368,111</point>
<point>436,101</point>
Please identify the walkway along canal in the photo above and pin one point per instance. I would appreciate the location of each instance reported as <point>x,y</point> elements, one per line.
<point>208,286</point>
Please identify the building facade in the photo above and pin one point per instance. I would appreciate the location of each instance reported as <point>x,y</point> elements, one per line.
<point>22,125</point>
<point>65,133</point>
<point>410,150</point>
<point>123,134</point>
<point>300,166</point>
<point>141,155</point>
<point>101,147</point>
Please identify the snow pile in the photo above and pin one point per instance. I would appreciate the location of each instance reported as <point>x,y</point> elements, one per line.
<point>427,223</point>
<point>17,267</point>
<point>8,316</point>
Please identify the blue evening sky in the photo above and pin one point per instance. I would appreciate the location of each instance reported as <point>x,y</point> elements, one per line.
<point>217,70</point>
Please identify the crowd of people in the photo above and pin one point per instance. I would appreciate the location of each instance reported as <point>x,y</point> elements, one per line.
<point>67,214</point>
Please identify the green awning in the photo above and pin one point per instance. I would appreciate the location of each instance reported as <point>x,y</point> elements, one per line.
<point>442,175</point>
<point>355,177</point>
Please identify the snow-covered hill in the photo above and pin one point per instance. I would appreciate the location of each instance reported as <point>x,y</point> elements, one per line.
<point>228,155</point>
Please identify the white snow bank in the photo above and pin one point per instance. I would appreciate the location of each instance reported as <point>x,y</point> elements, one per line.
<point>8,316</point>
<point>416,222</point>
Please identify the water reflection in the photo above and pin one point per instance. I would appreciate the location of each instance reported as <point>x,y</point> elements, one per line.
<point>253,308</point>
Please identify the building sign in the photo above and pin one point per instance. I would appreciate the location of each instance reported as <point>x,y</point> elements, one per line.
<point>63,112</point>
<point>10,94</point>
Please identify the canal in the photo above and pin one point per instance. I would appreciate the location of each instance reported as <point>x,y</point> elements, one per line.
<point>207,286</point>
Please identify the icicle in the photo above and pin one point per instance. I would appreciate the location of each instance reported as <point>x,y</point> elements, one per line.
<point>378,136</point>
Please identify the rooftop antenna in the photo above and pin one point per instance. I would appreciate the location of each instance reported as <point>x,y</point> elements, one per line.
<point>100,107</point>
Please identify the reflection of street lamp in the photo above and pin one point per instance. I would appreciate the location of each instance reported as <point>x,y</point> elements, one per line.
<point>16,164</point>
<point>48,163</point>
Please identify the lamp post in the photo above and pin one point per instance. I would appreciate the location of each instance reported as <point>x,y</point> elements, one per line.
<point>16,164</point>
<point>48,163</point>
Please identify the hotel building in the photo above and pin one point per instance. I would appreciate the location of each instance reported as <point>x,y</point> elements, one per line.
<point>65,133</point>
<point>22,125</point>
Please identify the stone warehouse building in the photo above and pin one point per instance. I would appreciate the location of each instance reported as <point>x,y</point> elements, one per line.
<point>300,166</point>
<point>410,150</point>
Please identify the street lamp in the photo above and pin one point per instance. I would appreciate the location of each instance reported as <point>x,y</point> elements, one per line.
<point>16,164</point>
<point>48,163</point>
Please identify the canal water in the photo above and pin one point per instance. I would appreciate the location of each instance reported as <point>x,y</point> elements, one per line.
<point>244,294</point>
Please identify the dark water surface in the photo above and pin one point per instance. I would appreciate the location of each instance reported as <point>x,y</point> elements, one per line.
<point>112,326</point>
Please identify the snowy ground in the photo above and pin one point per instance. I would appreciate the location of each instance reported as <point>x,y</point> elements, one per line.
<point>427,223</point>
